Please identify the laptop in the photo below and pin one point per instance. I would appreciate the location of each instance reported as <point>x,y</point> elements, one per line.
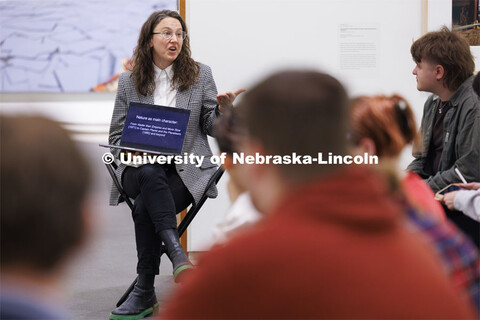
<point>153,129</point>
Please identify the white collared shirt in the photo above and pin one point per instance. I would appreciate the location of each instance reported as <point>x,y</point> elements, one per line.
<point>165,93</point>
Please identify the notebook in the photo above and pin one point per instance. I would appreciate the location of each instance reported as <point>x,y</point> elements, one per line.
<point>153,129</point>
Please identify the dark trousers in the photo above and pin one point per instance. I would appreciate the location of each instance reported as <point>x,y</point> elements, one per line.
<point>470,227</point>
<point>159,195</point>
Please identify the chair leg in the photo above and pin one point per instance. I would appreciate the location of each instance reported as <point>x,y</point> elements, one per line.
<point>127,293</point>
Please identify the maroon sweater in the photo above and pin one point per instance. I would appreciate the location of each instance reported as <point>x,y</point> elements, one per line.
<point>336,248</point>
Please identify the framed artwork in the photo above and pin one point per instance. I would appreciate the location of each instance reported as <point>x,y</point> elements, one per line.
<point>460,15</point>
<point>68,45</point>
<point>465,20</point>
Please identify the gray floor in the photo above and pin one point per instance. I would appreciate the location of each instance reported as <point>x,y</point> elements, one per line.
<point>106,265</point>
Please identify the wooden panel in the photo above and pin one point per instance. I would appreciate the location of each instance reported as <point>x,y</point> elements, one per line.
<point>181,9</point>
<point>181,215</point>
<point>183,239</point>
<point>425,16</point>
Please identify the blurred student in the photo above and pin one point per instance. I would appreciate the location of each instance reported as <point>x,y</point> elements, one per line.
<point>444,67</point>
<point>384,126</point>
<point>332,244</point>
<point>242,214</point>
<point>44,180</point>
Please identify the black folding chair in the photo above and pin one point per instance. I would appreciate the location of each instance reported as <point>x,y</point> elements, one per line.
<point>192,212</point>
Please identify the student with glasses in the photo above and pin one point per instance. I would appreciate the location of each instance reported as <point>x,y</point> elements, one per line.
<point>164,73</point>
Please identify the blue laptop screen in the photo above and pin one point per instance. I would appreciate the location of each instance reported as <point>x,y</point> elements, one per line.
<point>155,128</point>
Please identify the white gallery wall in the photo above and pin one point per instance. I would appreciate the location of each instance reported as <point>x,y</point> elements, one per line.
<point>245,40</point>
<point>364,43</point>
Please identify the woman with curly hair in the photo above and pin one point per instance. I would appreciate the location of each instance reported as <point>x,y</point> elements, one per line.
<point>164,74</point>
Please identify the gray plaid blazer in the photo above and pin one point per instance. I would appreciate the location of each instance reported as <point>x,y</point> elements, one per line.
<point>201,100</point>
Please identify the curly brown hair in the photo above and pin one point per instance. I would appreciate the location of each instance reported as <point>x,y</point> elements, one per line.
<point>448,49</point>
<point>185,69</point>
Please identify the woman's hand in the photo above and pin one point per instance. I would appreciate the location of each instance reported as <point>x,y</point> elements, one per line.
<point>225,100</point>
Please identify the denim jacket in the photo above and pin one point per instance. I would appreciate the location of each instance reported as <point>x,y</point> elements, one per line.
<point>461,139</point>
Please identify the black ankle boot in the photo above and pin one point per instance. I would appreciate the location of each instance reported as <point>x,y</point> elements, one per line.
<point>176,253</point>
<point>139,304</point>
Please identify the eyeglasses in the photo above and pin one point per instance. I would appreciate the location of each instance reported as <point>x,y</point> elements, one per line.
<point>169,34</point>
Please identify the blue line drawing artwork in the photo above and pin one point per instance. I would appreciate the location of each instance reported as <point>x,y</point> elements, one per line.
<point>69,45</point>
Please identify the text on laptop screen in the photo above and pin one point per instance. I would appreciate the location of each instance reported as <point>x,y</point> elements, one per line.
<point>155,127</point>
